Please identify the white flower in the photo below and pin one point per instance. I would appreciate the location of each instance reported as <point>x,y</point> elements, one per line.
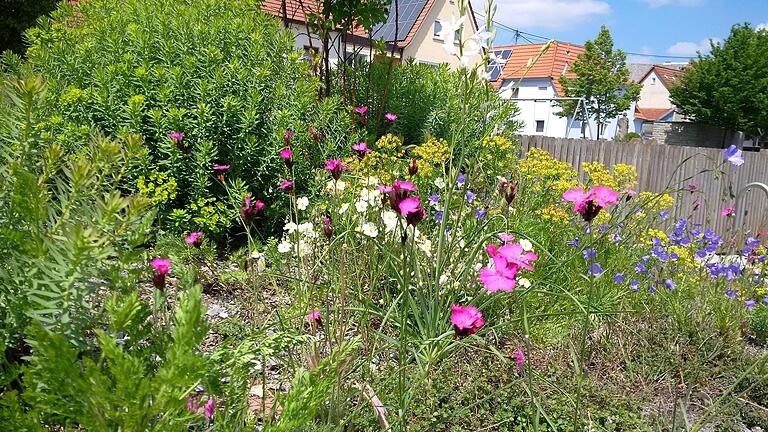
<point>443,279</point>
<point>361,206</point>
<point>290,227</point>
<point>496,60</point>
<point>343,208</point>
<point>426,247</point>
<point>302,203</point>
<point>526,244</point>
<point>369,229</point>
<point>371,181</point>
<point>303,248</point>
<point>261,260</point>
<point>484,75</point>
<point>284,247</point>
<point>306,228</point>
<point>448,33</point>
<point>525,283</point>
<point>390,220</point>
<point>370,195</point>
<point>439,182</point>
<point>334,185</point>
<point>483,36</point>
<point>478,266</point>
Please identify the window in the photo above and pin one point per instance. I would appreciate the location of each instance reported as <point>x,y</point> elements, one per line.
<point>539,126</point>
<point>351,58</point>
<point>438,29</point>
<point>457,36</point>
<point>429,63</point>
<point>543,88</point>
<point>653,80</point>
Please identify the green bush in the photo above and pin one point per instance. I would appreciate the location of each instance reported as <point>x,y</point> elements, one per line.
<point>222,73</point>
<point>759,323</point>
<point>428,101</point>
<point>66,230</point>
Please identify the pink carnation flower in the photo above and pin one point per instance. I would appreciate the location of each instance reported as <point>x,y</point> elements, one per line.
<point>336,168</point>
<point>361,109</point>
<point>286,153</point>
<point>220,167</point>
<point>728,211</point>
<point>176,136</point>
<point>390,117</point>
<point>411,209</point>
<point>466,320</point>
<point>520,358</point>
<point>361,148</point>
<point>286,185</point>
<point>589,203</point>
<point>195,239</point>
<point>501,277</point>
<point>161,265</point>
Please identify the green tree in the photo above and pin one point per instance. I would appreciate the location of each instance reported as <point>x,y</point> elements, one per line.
<point>17,16</point>
<point>729,88</point>
<point>602,79</point>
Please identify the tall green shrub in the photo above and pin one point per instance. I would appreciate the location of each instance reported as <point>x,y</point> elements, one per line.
<point>427,101</point>
<point>221,72</point>
<point>66,230</point>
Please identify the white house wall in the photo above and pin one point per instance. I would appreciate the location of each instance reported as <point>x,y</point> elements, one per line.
<point>302,41</point>
<point>533,111</point>
<point>653,93</point>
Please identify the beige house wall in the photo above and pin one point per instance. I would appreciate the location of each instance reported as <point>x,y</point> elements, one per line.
<point>653,93</point>
<point>424,47</point>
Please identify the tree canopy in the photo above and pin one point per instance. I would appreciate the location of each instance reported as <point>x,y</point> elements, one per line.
<point>602,79</point>
<point>729,87</point>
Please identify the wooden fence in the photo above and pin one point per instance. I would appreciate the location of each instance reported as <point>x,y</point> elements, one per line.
<point>663,168</point>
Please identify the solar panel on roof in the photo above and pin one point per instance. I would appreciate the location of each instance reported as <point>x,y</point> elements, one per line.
<point>408,13</point>
<point>494,68</point>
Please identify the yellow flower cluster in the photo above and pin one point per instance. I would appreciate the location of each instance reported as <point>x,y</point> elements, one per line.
<point>498,154</point>
<point>624,176</point>
<point>685,256</point>
<point>651,233</point>
<point>541,171</point>
<point>390,144</point>
<point>433,152</point>
<point>554,213</point>
<point>655,203</point>
<point>159,188</point>
<point>374,164</point>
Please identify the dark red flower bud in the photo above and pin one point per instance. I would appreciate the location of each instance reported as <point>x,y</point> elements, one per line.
<point>413,168</point>
<point>158,279</point>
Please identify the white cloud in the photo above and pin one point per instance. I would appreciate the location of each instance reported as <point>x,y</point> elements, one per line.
<point>546,14</point>
<point>689,49</point>
<point>763,26</point>
<point>659,3</point>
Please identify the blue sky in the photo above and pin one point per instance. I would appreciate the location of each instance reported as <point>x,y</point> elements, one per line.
<point>649,27</point>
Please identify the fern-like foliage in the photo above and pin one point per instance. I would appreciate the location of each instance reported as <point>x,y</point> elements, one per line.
<point>120,385</point>
<point>66,230</point>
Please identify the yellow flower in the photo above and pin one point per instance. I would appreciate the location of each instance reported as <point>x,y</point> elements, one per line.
<point>554,214</point>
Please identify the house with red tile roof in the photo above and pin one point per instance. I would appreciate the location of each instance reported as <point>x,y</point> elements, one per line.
<point>654,104</point>
<point>531,78</point>
<point>414,30</point>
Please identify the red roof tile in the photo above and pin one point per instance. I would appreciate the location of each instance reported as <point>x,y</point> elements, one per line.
<point>551,65</point>
<point>651,114</point>
<point>668,76</point>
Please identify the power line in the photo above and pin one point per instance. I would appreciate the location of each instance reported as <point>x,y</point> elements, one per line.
<point>522,34</point>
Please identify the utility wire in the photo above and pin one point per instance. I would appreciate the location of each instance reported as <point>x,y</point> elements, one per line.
<point>522,34</point>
